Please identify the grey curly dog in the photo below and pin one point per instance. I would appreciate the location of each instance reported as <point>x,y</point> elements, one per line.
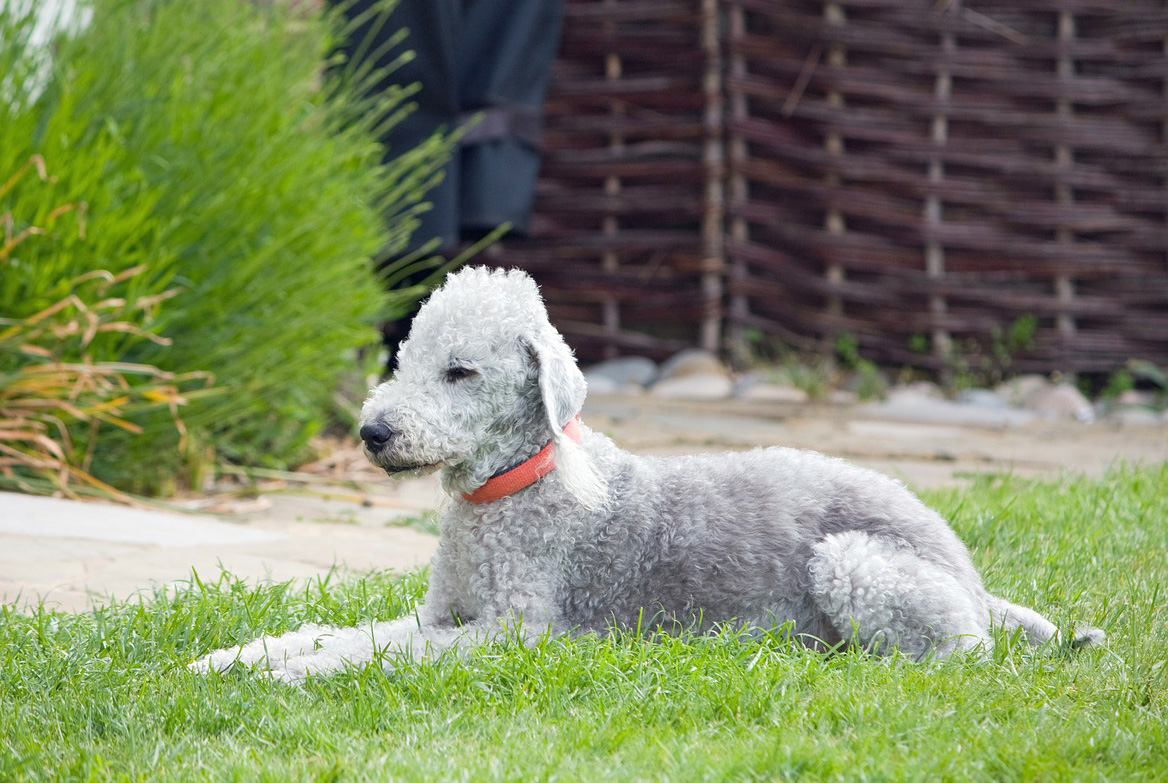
<point>552,528</point>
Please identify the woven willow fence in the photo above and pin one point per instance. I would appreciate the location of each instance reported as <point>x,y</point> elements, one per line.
<point>918,174</point>
<point>623,205</point>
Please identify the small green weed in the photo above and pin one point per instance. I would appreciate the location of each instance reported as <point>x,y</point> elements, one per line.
<point>426,522</point>
<point>869,382</point>
<point>816,374</point>
<point>975,363</point>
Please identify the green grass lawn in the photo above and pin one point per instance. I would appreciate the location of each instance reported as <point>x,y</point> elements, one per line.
<point>106,695</point>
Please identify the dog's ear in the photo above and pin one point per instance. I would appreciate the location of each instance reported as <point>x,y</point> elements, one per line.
<point>561,390</point>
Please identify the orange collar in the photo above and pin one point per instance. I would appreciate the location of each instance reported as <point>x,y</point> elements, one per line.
<point>525,473</point>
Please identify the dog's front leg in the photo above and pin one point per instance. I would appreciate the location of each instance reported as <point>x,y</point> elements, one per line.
<point>316,650</point>
<point>319,650</point>
<point>437,627</point>
<point>268,652</point>
<point>397,641</point>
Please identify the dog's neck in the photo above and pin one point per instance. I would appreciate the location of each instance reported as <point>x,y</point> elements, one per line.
<point>519,433</point>
<point>521,476</point>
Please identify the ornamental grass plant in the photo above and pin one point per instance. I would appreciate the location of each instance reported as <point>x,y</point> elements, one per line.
<point>220,151</point>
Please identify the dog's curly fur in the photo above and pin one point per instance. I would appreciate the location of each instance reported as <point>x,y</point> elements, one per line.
<point>608,539</point>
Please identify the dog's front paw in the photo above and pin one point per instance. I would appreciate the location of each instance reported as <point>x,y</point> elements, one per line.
<point>218,661</point>
<point>228,658</point>
<point>288,670</point>
<point>267,652</point>
<point>319,663</point>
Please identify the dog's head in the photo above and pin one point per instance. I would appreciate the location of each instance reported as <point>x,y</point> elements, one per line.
<point>482,378</point>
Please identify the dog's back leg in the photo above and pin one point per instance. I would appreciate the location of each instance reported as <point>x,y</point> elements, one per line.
<point>888,596</point>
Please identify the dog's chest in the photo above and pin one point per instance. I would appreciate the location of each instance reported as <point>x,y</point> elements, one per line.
<point>490,553</point>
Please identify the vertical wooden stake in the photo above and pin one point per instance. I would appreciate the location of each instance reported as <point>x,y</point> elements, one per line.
<point>1064,193</point>
<point>934,206</point>
<point>738,185</point>
<point>714,250</point>
<point>610,258</point>
<point>834,221</point>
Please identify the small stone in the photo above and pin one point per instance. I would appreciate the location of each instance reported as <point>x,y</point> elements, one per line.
<point>692,361</point>
<point>1136,417</point>
<point>912,405</point>
<point>771,392</point>
<point>922,388</point>
<point>625,370</point>
<point>694,387</point>
<point>601,384</point>
<point>1016,390</point>
<point>911,394</point>
<point>1062,401</point>
<point>843,397</point>
<point>1137,398</point>
<point>982,398</point>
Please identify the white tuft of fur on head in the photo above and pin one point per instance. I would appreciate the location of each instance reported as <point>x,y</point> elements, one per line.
<point>573,465</point>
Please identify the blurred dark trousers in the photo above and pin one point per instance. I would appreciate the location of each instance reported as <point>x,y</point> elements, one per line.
<point>488,57</point>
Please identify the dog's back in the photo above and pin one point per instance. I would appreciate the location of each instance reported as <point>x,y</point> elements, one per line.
<point>710,538</point>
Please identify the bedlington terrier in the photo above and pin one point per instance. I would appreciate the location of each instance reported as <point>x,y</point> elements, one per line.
<point>553,529</point>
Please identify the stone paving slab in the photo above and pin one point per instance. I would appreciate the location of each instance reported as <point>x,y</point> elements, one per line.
<point>41,517</point>
<point>73,555</point>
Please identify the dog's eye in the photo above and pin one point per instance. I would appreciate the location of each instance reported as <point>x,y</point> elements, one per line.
<point>459,373</point>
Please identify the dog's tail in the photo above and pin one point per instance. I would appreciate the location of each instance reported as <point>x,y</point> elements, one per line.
<point>1038,630</point>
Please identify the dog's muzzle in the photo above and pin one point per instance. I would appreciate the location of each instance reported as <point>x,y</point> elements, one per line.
<point>378,436</point>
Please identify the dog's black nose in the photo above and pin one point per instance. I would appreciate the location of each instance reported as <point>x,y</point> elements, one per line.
<point>376,435</point>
